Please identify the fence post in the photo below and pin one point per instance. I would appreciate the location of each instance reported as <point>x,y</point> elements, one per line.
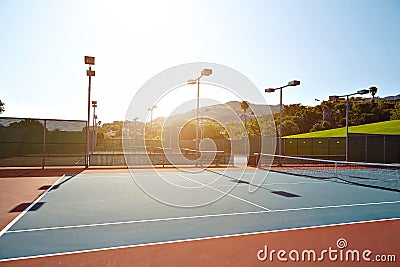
<point>44,144</point>
<point>87,147</point>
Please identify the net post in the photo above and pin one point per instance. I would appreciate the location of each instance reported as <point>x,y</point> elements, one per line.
<point>257,159</point>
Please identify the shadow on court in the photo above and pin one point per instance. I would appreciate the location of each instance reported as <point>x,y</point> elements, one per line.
<point>57,186</point>
<point>276,192</point>
<point>23,206</point>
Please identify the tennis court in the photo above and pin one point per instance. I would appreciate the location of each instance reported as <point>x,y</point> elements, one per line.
<point>89,212</point>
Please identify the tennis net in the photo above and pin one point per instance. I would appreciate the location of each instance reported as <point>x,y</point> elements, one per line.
<point>383,176</point>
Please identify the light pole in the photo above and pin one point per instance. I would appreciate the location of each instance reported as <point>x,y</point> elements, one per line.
<point>89,73</point>
<point>359,92</point>
<point>151,127</point>
<point>202,125</point>
<point>95,138</point>
<point>134,130</point>
<point>204,72</point>
<point>322,108</point>
<point>271,90</point>
<point>94,105</point>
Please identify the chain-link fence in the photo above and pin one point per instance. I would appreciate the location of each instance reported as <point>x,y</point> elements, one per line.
<point>323,148</point>
<point>374,148</point>
<point>362,147</point>
<point>42,142</point>
<point>235,147</point>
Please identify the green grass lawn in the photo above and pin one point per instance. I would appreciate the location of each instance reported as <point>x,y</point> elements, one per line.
<point>384,127</point>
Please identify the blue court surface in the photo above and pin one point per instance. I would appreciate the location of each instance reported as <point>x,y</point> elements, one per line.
<point>97,211</point>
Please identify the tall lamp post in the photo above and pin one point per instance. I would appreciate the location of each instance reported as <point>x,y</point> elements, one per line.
<point>271,90</point>
<point>134,130</point>
<point>94,105</point>
<point>98,123</point>
<point>359,92</point>
<point>90,73</point>
<point>202,125</point>
<point>151,127</point>
<point>204,72</point>
<point>322,108</point>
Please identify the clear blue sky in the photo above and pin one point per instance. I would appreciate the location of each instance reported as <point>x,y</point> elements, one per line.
<point>333,47</point>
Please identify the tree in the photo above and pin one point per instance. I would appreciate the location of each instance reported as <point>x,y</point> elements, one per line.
<point>361,113</point>
<point>267,126</point>
<point>319,126</point>
<point>1,107</point>
<point>339,114</point>
<point>113,129</point>
<point>395,112</point>
<point>214,131</point>
<point>306,118</point>
<point>326,109</point>
<point>235,129</point>
<point>253,128</point>
<point>28,123</point>
<point>289,127</point>
<point>245,106</point>
<point>373,91</point>
<point>292,109</point>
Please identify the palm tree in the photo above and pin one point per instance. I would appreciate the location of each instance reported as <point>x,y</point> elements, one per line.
<point>1,107</point>
<point>245,106</point>
<point>373,91</point>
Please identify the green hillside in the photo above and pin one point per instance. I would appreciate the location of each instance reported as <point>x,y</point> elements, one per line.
<point>384,127</point>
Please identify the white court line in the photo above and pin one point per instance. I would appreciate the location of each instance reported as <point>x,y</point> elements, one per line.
<point>289,183</point>
<point>16,219</point>
<point>193,239</point>
<point>200,216</point>
<point>138,175</point>
<point>227,193</point>
<point>338,206</point>
<point>138,221</point>
<point>104,175</point>
<point>172,174</point>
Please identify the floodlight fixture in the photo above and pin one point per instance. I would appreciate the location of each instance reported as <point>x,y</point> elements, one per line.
<point>206,72</point>
<point>89,60</point>
<point>293,83</point>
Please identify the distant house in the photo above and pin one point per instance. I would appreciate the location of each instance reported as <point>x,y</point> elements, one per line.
<point>395,98</point>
